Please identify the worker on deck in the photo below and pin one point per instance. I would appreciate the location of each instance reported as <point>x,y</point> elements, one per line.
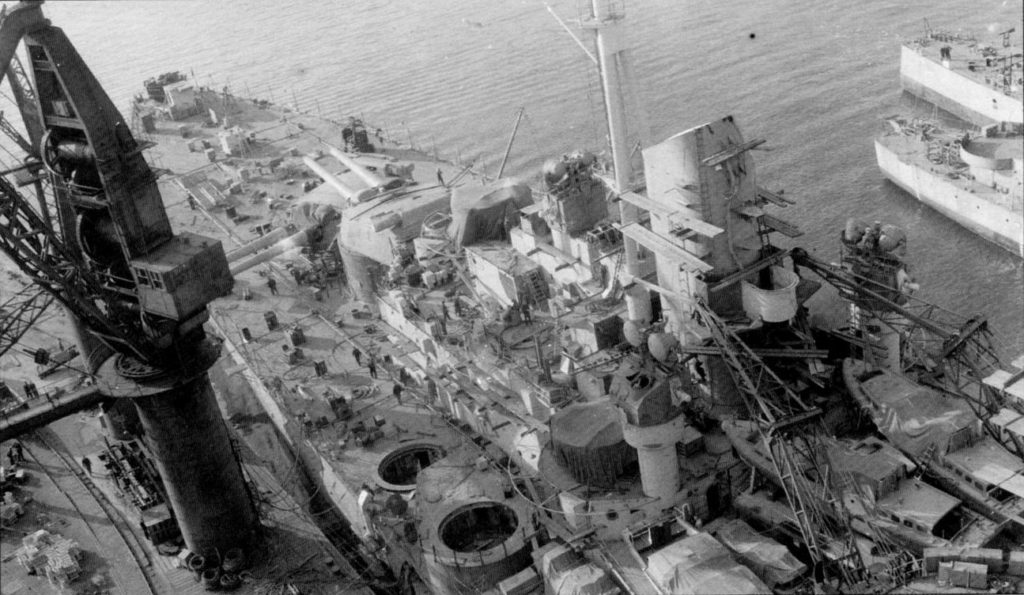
<point>524,309</point>
<point>272,285</point>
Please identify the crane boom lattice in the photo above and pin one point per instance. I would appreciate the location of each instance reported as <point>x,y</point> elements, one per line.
<point>791,431</point>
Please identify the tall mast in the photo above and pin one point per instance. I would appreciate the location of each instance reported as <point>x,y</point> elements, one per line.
<point>613,61</point>
<point>611,58</point>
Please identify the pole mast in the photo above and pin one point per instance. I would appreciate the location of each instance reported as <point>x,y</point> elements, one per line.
<point>607,26</point>
<point>614,64</point>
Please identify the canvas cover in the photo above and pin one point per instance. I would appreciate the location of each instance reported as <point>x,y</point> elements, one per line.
<point>568,573</point>
<point>771,561</point>
<point>588,441</point>
<point>700,564</point>
<point>777,304</point>
<point>484,212</point>
<point>910,415</point>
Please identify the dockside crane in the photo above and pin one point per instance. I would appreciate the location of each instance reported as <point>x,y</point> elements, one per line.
<point>137,292</point>
<point>952,353</point>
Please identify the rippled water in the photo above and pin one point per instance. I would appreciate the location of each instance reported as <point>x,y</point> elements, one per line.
<point>815,80</point>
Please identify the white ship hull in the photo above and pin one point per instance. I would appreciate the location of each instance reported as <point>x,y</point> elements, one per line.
<point>955,93</point>
<point>993,222</point>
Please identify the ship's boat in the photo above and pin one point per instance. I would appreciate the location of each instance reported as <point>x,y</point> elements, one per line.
<point>942,435</point>
<point>882,492</point>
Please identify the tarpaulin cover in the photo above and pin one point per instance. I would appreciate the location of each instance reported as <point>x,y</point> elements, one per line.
<point>568,573</point>
<point>588,441</point>
<point>769,559</point>
<point>910,415</point>
<point>482,212</point>
<point>699,564</point>
<point>777,304</point>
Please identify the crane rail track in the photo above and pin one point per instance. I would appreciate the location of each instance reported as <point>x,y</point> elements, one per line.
<point>117,520</point>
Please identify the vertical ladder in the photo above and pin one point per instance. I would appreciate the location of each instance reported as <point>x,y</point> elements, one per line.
<point>536,290</point>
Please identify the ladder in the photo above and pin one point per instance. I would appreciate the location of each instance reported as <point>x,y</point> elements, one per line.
<point>536,288</point>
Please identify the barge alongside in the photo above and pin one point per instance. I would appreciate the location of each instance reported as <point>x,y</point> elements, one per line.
<point>974,173</point>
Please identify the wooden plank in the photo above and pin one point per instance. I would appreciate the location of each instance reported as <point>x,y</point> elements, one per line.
<point>653,287</point>
<point>749,211</point>
<point>782,226</point>
<point>676,213</point>
<point>663,246</point>
<point>744,273</point>
<point>775,198</point>
<point>763,353</point>
<point>733,151</point>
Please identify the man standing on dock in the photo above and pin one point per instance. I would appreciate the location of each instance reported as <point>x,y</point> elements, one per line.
<point>272,285</point>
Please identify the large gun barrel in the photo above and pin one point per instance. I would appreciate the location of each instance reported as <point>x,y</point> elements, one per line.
<point>372,179</point>
<point>258,244</point>
<point>294,241</point>
<point>330,178</point>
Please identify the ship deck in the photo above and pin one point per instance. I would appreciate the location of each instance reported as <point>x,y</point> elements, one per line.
<point>967,59</point>
<point>919,153</point>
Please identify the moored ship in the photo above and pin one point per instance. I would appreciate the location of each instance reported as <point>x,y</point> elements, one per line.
<point>973,80</point>
<point>975,178</point>
<point>971,173</point>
